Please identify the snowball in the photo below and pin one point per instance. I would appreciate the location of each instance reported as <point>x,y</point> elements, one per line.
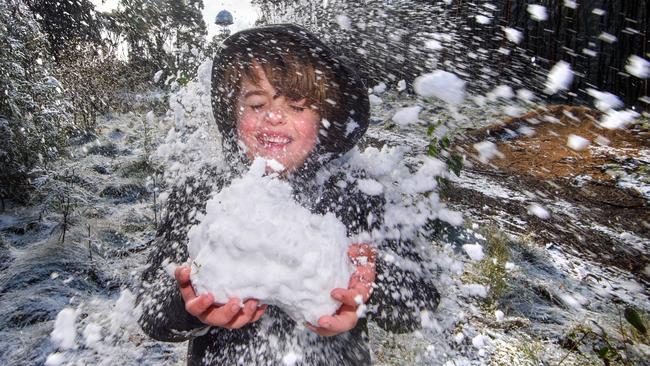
<point>344,21</point>
<point>401,85</point>
<point>577,143</point>
<point>499,315</point>
<point>539,211</point>
<point>638,67</point>
<point>255,241</point>
<point>374,100</point>
<point>618,119</point>
<point>370,187</point>
<point>537,12</point>
<point>65,331</point>
<point>559,78</point>
<point>442,85</point>
<point>486,151</point>
<point>474,251</point>
<point>406,116</point>
<point>605,101</point>
<point>379,88</point>
<point>482,19</point>
<point>513,35</point>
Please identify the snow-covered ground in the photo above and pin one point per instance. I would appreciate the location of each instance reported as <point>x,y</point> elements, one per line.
<point>506,297</point>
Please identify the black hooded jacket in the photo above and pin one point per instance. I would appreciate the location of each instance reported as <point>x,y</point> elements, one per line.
<point>323,184</point>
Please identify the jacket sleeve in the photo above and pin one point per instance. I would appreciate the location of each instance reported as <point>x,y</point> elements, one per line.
<point>403,287</point>
<point>163,315</point>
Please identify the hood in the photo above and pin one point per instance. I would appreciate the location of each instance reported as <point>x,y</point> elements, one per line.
<point>335,138</point>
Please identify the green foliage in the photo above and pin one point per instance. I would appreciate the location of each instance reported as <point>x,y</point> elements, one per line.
<point>439,148</point>
<point>490,271</point>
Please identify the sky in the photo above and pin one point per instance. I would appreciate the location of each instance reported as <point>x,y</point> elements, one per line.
<point>243,12</point>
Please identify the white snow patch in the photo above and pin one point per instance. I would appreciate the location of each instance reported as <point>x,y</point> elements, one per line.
<point>374,100</point>
<point>482,19</point>
<point>370,187</point>
<point>538,210</point>
<point>407,116</point>
<point>571,4</point>
<point>607,37</point>
<point>55,359</point>
<point>638,67</point>
<point>64,333</point>
<point>379,88</point>
<point>559,78</point>
<point>290,359</point>
<point>513,35</point>
<point>618,119</point>
<point>577,143</point>
<point>401,85</point>
<point>486,151</point>
<point>537,12</point>
<point>498,315</point>
<point>344,21</point>
<point>605,101</point>
<point>441,84</point>
<point>474,251</point>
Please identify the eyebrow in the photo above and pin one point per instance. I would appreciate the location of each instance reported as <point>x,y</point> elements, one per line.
<point>259,92</point>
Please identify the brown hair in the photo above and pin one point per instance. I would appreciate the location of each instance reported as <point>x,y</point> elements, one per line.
<point>293,77</point>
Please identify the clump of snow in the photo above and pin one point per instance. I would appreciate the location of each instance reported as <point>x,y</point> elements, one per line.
<point>55,359</point>
<point>607,37</point>
<point>638,67</point>
<point>370,187</point>
<point>475,289</point>
<point>433,45</point>
<point>374,100</point>
<point>255,241</point>
<point>559,78</point>
<point>618,119</point>
<point>605,101</point>
<point>482,19</point>
<point>479,341</point>
<point>64,333</point>
<point>538,210</point>
<point>379,88</point>
<point>92,334</point>
<point>474,251</point>
<point>513,35</point>
<point>290,359</point>
<point>498,315</point>
<point>486,151</point>
<point>344,21</point>
<point>501,91</point>
<point>537,12</point>
<point>571,4</point>
<point>401,85</point>
<point>407,116</point>
<point>577,143</point>
<point>525,95</point>
<point>157,75</point>
<point>442,85</point>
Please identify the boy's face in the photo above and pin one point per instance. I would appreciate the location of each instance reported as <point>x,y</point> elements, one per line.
<point>273,126</point>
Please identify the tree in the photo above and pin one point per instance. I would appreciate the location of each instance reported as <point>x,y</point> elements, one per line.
<point>34,119</point>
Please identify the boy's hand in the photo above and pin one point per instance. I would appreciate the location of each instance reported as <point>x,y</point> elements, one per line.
<point>230,315</point>
<point>357,293</point>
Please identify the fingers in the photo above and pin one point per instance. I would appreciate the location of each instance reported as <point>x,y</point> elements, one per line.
<point>199,305</point>
<point>219,316</point>
<point>244,316</point>
<point>350,297</point>
<point>259,312</point>
<point>182,275</point>
<point>361,253</point>
<point>343,321</point>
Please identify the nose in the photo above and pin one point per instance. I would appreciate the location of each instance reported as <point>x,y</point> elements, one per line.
<point>274,117</point>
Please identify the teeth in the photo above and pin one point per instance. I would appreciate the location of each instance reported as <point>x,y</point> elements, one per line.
<point>276,139</point>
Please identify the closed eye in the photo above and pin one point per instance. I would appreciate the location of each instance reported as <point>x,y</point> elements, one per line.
<point>297,108</point>
<point>257,107</point>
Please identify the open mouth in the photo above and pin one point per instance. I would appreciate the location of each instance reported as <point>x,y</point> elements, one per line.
<point>273,141</point>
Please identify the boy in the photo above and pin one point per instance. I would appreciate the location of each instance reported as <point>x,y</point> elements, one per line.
<point>281,94</point>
